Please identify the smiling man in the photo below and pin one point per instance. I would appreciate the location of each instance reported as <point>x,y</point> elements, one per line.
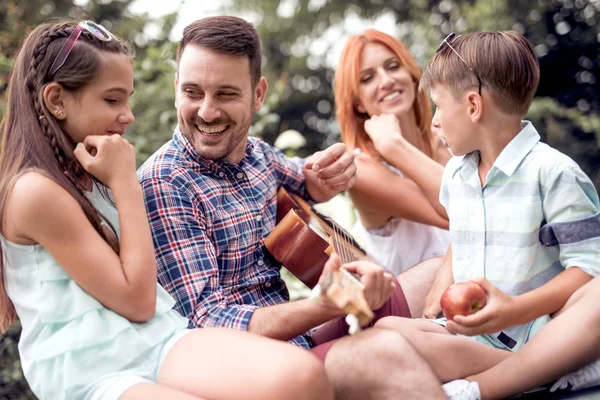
<point>211,197</point>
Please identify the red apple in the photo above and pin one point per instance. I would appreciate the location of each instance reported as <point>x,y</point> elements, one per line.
<point>463,298</point>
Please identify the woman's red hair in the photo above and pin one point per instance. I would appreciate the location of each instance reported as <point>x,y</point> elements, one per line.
<point>347,79</point>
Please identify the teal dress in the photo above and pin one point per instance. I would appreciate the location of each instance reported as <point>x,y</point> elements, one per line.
<point>69,340</point>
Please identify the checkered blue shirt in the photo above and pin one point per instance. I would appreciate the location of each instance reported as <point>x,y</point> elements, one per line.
<point>209,220</point>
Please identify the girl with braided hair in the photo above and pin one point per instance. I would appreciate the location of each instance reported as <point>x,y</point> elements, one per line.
<point>82,277</point>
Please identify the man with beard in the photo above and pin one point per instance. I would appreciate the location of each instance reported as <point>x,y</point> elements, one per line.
<point>211,199</point>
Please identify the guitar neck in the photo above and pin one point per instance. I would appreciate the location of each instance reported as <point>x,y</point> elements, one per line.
<point>338,228</point>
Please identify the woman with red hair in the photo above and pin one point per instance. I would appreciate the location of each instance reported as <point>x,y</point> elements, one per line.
<point>387,120</point>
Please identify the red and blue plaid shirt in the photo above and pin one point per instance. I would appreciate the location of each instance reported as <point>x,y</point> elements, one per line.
<point>209,220</point>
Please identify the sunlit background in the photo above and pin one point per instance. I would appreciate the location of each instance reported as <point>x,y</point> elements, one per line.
<point>302,40</point>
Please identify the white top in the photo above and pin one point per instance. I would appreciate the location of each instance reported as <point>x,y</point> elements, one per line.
<point>400,243</point>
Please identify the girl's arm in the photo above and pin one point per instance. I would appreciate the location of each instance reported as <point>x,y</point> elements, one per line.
<point>41,211</point>
<point>381,191</point>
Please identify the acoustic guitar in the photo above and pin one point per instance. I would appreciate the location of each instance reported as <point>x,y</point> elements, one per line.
<point>303,240</point>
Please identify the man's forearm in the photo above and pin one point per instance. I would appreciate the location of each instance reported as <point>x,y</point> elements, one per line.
<point>286,321</point>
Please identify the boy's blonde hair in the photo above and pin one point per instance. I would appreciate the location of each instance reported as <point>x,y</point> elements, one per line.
<point>505,62</point>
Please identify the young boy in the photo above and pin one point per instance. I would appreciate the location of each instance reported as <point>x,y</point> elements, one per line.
<point>523,216</point>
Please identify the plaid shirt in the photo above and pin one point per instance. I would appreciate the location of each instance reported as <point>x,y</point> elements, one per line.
<point>209,220</point>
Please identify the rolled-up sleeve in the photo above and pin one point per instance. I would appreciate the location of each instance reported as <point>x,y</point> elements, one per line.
<point>572,214</point>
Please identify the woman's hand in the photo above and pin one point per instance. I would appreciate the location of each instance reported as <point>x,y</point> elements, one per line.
<point>384,131</point>
<point>108,158</point>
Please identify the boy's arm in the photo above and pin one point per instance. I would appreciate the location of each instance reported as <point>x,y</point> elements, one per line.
<point>550,297</point>
<point>443,280</point>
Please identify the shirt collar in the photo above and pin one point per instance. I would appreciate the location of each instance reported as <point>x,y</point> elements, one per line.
<point>510,157</point>
<point>516,150</point>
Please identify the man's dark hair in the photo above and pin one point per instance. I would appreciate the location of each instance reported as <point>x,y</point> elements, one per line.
<point>225,34</point>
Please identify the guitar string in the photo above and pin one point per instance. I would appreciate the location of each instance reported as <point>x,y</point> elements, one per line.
<point>339,248</point>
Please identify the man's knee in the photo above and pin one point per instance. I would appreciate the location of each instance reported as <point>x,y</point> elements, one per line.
<point>306,380</point>
<point>370,354</point>
<point>386,323</point>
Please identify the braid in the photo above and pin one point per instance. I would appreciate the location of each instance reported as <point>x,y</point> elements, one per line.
<point>35,83</point>
<point>71,168</point>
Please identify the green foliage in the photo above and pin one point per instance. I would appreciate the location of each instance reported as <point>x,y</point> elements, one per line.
<point>12,383</point>
<point>571,131</point>
<point>153,101</point>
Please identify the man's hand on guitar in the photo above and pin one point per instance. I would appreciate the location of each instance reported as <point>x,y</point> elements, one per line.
<point>332,266</point>
<point>378,283</point>
<point>330,172</point>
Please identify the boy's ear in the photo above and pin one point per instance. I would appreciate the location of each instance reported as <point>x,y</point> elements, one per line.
<point>475,106</point>
<point>54,99</point>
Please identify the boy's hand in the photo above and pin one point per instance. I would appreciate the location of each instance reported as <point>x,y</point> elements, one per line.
<point>432,307</point>
<point>498,313</point>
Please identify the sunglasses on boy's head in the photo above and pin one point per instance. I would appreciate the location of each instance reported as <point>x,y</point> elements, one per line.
<point>95,29</point>
<point>448,40</point>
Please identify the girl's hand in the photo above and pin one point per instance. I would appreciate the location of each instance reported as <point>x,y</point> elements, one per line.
<point>499,313</point>
<point>108,158</point>
<point>383,130</point>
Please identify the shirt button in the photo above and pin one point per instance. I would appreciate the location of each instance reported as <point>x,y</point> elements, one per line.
<point>239,175</point>
<point>267,284</point>
<point>259,218</point>
<point>221,174</point>
<point>261,263</point>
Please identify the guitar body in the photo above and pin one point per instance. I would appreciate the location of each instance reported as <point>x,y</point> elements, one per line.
<point>301,239</point>
<point>295,243</point>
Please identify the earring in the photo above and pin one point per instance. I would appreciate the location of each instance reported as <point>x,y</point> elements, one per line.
<point>59,113</point>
